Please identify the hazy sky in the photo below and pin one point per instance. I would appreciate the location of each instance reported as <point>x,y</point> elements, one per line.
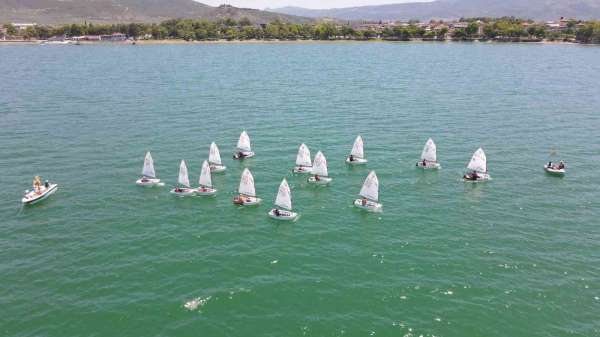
<point>261,4</point>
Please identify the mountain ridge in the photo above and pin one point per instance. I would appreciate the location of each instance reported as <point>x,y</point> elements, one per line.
<point>455,9</point>
<point>114,11</point>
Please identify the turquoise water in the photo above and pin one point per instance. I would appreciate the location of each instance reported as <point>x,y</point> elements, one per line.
<point>517,256</point>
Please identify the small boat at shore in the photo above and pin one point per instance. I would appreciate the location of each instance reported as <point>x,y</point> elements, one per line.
<point>303,161</point>
<point>319,171</point>
<point>148,178</point>
<point>214,159</point>
<point>247,192</point>
<point>370,194</point>
<point>357,154</point>
<point>477,167</point>
<point>39,192</point>
<point>556,169</point>
<point>283,201</point>
<point>184,189</point>
<point>205,182</point>
<point>429,156</point>
<point>243,149</point>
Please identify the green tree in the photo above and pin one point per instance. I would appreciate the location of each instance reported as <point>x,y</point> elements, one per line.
<point>10,29</point>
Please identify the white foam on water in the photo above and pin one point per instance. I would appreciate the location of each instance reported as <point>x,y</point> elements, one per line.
<point>196,303</point>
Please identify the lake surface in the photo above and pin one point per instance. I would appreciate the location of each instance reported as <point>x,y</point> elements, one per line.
<point>516,256</point>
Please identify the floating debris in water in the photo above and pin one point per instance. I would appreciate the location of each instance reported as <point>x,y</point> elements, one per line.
<point>274,261</point>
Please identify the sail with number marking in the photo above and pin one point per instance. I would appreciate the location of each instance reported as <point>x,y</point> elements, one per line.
<point>303,157</point>
<point>214,157</point>
<point>320,165</point>
<point>247,184</point>
<point>244,142</point>
<point>358,148</point>
<point>284,196</point>
<point>205,178</point>
<point>183,175</point>
<point>370,188</point>
<point>478,162</point>
<point>148,170</point>
<point>429,151</point>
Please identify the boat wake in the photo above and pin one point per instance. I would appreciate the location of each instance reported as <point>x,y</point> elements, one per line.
<point>196,303</point>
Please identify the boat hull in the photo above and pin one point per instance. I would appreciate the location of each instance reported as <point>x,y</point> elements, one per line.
<point>217,168</point>
<point>481,177</point>
<point>283,215</point>
<point>206,191</point>
<point>183,192</point>
<point>428,165</point>
<point>554,171</point>
<point>149,182</point>
<point>321,181</point>
<point>246,201</point>
<point>356,161</point>
<point>302,169</point>
<point>244,155</point>
<point>32,197</point>
<point>369,206</point>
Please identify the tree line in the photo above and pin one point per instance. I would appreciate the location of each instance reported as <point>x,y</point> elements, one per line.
<point>513,29</point>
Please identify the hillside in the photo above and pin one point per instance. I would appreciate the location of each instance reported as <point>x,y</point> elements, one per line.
<point>454,9</point>
<point>67,11</point>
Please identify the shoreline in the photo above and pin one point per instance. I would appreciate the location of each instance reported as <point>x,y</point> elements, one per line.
<point>254,41</point>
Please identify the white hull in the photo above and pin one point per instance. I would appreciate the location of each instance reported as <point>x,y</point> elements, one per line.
<point>283,215</point>
<point>244,155</point>
<point>214,168</point>
<point>428,165</point>
<point>555,171</point>
<point>480,178</point>
<point>149,182</point>
<point>33,197</point>
<point>369,206</point>
<point>206,191</point>
<point>356,161</point>
<point>321,181</point>
<point>184,192</point>
<point>302,169</point>
<point>246,201</point>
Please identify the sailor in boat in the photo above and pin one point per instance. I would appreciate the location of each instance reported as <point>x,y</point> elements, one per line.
<point>276,211</point>
<point>550,164</point>
<point>472,176</point>
<point>46,184</point>
<point>317,177</point>
<point>364,201</point>
<point>178,189</point>
<point>239,155</point>
<point>561,165</point>
<point>351,158</point>
<point>239,199</point>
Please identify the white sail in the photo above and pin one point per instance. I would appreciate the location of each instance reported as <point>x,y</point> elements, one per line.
<point>320,165</point>
<point>357,148</point>
<point>244,142</point>
<point>247,184</point>
<point>205,179</point>
<point>148,170</point>
<point>214,157</point>
<point>284,196</point>
<point>370,188</point>
<point>429,151</point>
<point>303,157</point>
<point>478,162</point>
<point>183,175</point>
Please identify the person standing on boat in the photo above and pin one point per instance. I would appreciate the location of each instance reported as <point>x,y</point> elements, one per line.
<point>37,183</point>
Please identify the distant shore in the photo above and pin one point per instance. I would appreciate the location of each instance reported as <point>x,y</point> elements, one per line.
<point>273,41</point>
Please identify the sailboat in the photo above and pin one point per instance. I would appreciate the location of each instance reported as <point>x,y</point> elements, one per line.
<point>184,189</point>
<point>148,174</point>
<point>283,203</point>
<point>303,161</point>
<point>319,171</point>
<point>477,167</point>
<point>247,193</point>
<point>205,181</point>
<point>243,149</point>
<point>357,155</point>
<point>429,156</point>
<point>214,159</point>
<point>370,194</point>
<point>39,192</point>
